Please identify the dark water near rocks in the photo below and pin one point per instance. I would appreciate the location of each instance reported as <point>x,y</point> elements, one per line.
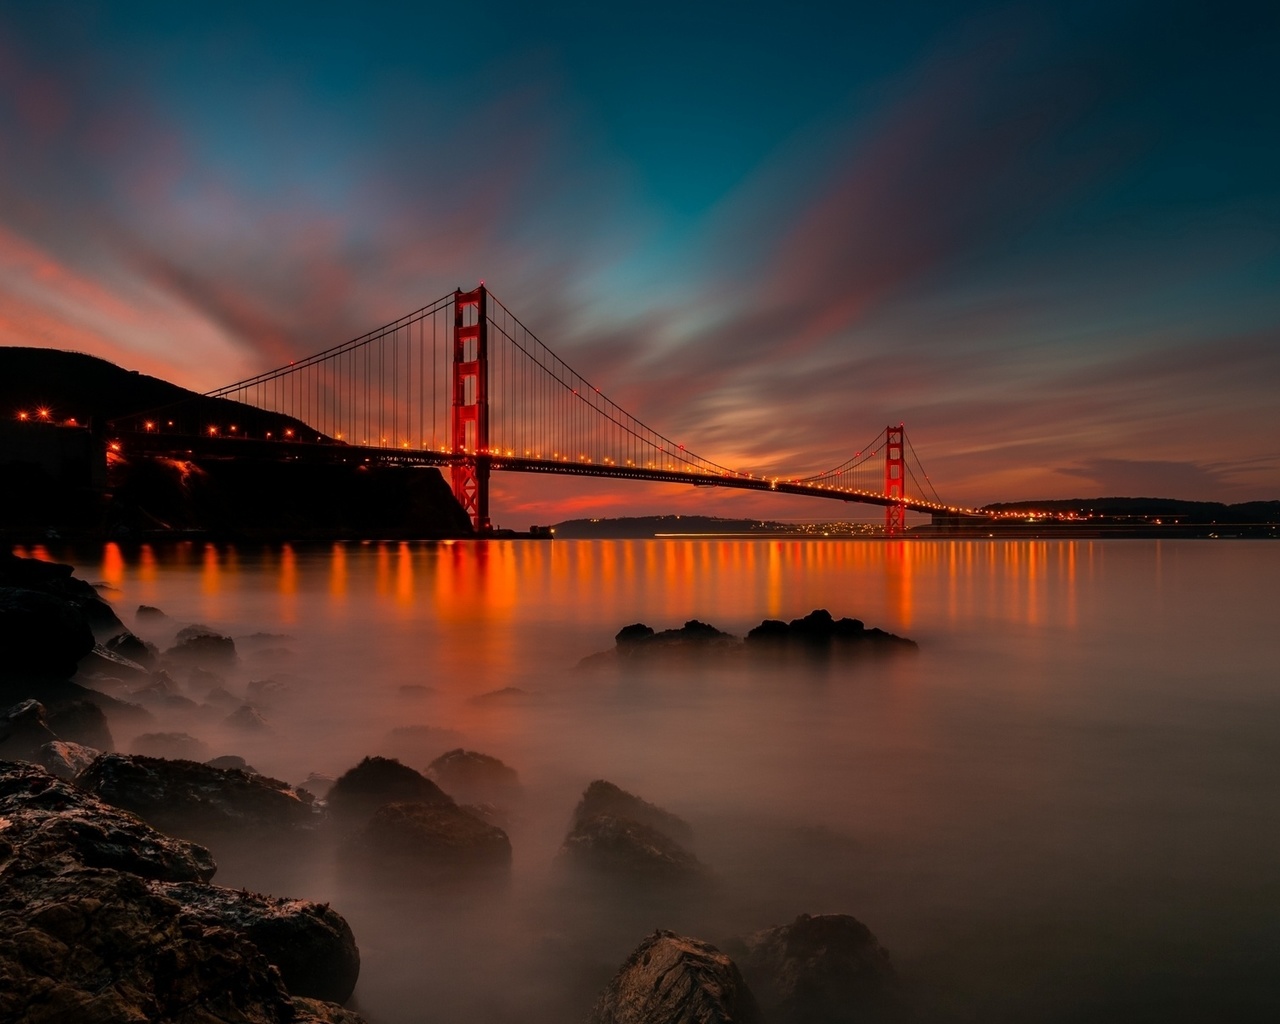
<point>1065,808</point>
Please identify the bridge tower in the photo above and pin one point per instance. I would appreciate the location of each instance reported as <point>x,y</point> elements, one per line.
<point>894,468</point>
<point>471,405</point>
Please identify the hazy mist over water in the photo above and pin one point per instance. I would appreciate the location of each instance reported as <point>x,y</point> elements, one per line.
<point>1064,808</point>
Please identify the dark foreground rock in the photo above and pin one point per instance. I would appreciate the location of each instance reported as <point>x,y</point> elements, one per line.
<point>197,800</point>
<point>103,919</point>
<point>43,636</point>
<point>49,820</point>
<point>430,841</point>
<point>617,834</point>
<point>310,944</point>
<point>376,782</point>
<point>96,946</point>
<point>671,979</point>
<point>474,777</point>
<point>827,969</point>
<point>66,760</point>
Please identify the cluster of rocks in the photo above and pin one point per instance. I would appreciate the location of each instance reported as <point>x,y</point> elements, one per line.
<point>826,969</point>
<point>817,634</point>
<point>104,918</point>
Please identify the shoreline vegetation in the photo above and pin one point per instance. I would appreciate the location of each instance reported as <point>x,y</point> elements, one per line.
<point>108,905</point>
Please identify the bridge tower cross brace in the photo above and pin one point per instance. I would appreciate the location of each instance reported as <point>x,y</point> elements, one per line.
<point>470,475</point>
<point>894,469</point>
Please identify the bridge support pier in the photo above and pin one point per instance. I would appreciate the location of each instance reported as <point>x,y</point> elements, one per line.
<point>470,476</point>
<point>895,514</point>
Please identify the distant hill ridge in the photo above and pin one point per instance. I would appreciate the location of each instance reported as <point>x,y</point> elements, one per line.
<point>90,390</point>
<point>1200,512</point>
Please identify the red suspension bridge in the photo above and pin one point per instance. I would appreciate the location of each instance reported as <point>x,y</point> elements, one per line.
<point>462,383</point>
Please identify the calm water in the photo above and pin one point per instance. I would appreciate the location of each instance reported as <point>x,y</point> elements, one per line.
<point>1064,809</point>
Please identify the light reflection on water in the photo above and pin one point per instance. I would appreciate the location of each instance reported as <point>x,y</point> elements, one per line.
<point>1064,807</point>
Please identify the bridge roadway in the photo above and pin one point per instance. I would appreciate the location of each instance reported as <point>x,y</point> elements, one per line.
<point>330,451</point>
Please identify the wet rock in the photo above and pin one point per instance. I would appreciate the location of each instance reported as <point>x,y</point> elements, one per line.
<point>604,798</point>
<point>65,759</point>
<point>819,631</point>
<point>506,695</point>
<point>161,693</point>
<point>42,636</point>
<point>135,649</point>
<point>671,979</point>
<point>205,648</point>
<point>24,729</point>
<point>80,721</point>
<point>310,944</point>
<point>149,613</point>
<point>100,946</point>
<point>313,1011</point>
<point>222,699</point>
<point>826,969</point>
<point>174,746</point>
<point>197,800</point>
<point>427,839</point>
<point>470,776</point>
<point>693,637</point>
<point>246,719</point>
<point>49,821</point>
<point>376,782</point>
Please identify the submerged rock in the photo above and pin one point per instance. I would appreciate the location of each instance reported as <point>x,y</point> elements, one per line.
<point>602,797</point>
<point>24,729</point>
<point>671,979</point>
<point>429,839</point>
<point>616,833</point>
<point>819,631</point>
<point>189,798</point>
<point>827,969</point>
<point>246,718</point>
<point>474,777</point>
<point>376,782</point>
<point>310,944</point>
<point>207,648</point>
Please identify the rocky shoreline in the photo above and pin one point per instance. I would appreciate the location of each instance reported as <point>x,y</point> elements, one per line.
<point>108,906</point>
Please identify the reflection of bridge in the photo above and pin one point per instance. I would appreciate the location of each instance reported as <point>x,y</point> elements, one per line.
<point>462,383</point>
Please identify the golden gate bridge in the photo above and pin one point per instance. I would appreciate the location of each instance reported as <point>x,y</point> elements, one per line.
<point>462,384</point>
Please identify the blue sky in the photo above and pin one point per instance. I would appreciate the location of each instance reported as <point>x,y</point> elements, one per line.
<point>1045,236</point>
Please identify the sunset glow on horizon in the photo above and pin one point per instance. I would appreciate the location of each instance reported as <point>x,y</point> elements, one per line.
<point>1043,237</point>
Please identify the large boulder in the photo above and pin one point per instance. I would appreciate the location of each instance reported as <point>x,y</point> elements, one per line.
<point>42,636</point>
<point>193,799</point>
<point>429,840</point>
<point>671,979</point>
<point>48,820</point>
<point>56,580</point>
<point>134,648</point>
<point>474,778</point>
<point>97,947</point>
<point>310,943</point>
<point>826,969</point>
<point>376,782</point>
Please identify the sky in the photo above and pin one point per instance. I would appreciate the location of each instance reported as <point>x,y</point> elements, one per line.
<point>1046,237</point>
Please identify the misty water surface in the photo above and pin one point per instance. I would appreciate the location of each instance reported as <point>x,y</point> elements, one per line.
<point>1063,809</point>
